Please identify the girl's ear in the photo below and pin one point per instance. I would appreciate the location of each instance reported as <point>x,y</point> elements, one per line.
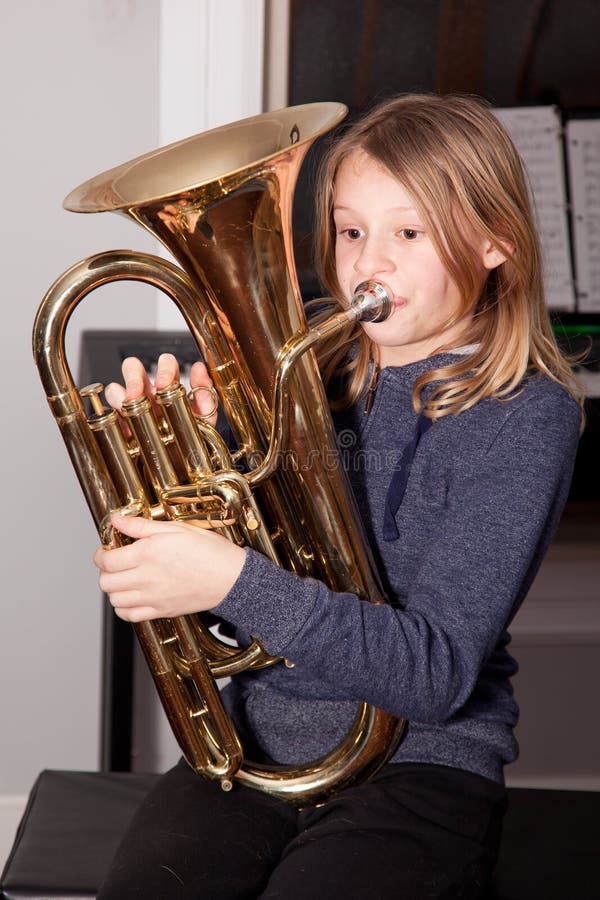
<point>494,255</point>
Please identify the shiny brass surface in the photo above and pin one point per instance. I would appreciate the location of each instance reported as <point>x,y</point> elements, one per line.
<point>221,203</point>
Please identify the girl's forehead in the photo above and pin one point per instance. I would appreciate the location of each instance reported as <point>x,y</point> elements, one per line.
<point>358,162</point>
<point>361,178</point>
<point>358,168</point>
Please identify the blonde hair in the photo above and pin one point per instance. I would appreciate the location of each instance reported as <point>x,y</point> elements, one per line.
<point>460,166</point>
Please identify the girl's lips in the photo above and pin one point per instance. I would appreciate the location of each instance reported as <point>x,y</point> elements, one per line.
<point>399,302</point>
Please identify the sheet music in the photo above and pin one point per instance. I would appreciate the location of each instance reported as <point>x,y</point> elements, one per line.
<point>583,143</point>
<point>536,132</point>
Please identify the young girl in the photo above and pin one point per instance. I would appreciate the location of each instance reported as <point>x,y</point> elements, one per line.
<point>459,421</point>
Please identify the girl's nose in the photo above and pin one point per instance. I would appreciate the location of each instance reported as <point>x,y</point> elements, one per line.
<point>373,259</point>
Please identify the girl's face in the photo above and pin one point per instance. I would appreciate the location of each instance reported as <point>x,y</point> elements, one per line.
<point>380,235</point>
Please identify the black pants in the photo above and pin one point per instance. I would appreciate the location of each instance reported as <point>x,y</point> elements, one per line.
<point>412,832</point>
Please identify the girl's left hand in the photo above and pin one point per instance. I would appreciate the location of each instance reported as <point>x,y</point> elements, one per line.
<point>171,569</point>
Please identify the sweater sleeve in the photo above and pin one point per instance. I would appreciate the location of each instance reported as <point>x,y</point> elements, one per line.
<point>422,660</point>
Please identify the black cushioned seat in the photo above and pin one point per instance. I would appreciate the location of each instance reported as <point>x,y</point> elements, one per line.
<point>74,821</point>
<point>69,832</point>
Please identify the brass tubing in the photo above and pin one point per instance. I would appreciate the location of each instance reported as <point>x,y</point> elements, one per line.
<point>175,696</point>
<point>228,225</point>
<point>374,733</point>
<point>176,406</point>
<point>324,776</point>
<point>368,302</point>
<point>223,740</point>
<point>156,457</point>
<point>115,450</point>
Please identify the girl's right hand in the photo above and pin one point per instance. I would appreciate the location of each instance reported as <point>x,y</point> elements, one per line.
<point>138,384</point>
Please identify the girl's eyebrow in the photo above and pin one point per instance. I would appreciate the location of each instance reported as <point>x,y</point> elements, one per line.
<point>402,209</point>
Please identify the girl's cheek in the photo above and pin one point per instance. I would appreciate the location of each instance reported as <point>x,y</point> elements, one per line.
<point>342,260</point>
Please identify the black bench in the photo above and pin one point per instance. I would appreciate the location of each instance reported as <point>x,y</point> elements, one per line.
<point>74,820</point>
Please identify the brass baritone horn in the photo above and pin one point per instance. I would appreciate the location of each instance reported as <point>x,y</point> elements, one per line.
<point>221,203</point>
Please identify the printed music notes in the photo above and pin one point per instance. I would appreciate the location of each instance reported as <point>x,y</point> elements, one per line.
<point>583,155</point>
<point>537,134</point>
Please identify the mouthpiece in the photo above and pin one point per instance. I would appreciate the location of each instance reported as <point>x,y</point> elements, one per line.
<point>372,301</point>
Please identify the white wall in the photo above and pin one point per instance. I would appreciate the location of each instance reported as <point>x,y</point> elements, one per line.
<point>556,642</point>
<point>82,87</point>
<point>79,81</point>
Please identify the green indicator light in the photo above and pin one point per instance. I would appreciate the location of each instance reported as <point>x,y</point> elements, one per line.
<point>576,329</point>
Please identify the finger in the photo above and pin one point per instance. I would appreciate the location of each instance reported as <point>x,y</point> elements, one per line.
<point>167,371</point>
<point>116,583</point>
<point>137,382</point>
<point>117,559</point>
<point>114,394</point>
<point>99,557</point>
<point>136,613</point>
<point>139,527</point>
<point>204,398</point>
<point>199,376</point>
<point>125,599</point>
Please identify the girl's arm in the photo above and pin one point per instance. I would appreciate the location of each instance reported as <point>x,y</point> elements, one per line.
<point>423,660</point>
<point>420,661</point>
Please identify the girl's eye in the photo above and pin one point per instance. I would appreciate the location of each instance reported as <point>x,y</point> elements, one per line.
<point>353,234</point>
<point>410,234</point>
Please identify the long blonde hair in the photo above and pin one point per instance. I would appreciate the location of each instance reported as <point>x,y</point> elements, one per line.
<point>460,166</point>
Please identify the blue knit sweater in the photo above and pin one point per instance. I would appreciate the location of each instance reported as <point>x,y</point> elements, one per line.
<point>483,495</point>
